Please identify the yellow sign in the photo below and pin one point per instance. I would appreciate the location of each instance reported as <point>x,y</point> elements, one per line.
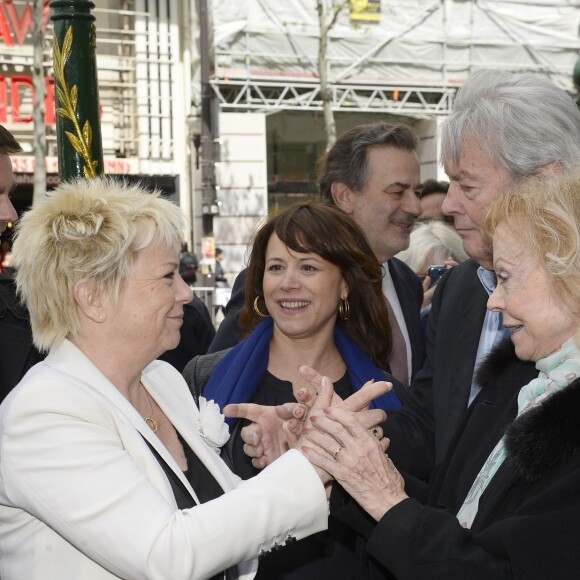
<point>365,10</point>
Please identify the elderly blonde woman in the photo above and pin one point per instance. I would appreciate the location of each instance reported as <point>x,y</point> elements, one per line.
<point>108,469</point>
<point>509,483</point>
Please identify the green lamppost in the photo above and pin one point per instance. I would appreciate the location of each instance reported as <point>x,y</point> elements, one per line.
<point>78,126</point>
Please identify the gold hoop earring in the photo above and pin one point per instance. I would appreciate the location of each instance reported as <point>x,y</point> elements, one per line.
<point>344,309</point>
<point>257,309</point>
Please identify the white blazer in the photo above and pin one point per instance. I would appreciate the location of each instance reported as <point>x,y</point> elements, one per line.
<point>83,497</point>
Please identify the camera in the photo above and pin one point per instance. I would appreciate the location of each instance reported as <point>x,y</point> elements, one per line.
<point>435,272</point>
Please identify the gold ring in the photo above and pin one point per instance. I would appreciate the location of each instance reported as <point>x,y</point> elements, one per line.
<point>337,452</point>
<point>374,431</point>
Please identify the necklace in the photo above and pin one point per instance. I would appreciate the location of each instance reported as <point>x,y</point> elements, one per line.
<point>151,423</point>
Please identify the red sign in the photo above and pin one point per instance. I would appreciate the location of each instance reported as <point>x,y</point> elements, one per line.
<point>14,26</point>
<point>16,87</point>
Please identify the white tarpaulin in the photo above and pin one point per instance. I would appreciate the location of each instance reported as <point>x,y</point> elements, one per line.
<point>422,42</point>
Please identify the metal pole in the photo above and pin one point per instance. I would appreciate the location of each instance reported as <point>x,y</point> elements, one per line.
<point>207,145</point>
<point>39,187</point>
<point>208,185</point>
<point>78,125</point>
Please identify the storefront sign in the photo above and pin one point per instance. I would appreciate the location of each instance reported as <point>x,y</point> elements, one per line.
<point>14,26</point>
<point>13,92</point>
<point>25,164</point>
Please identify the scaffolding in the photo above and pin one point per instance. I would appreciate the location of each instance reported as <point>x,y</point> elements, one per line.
<point>409,62</point>
<point>396,99</point>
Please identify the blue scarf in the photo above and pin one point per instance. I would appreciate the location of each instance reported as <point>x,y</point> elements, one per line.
<point>238,375</point>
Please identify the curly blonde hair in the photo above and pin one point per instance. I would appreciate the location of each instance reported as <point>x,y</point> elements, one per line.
<point>544,213</point>
<point>84,229</point>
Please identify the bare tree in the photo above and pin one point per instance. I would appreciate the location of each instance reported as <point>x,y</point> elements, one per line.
<point>328,12</point>
<point>38,106</point>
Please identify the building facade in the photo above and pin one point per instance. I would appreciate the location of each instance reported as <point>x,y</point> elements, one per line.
<point>385,60</point>
<point>143,77</point>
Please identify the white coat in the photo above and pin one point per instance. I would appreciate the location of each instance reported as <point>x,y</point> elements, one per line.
<point>82,495</point>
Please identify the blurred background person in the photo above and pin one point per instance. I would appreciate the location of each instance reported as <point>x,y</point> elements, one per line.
<point>432,243</point>
<point>313,297</point>
<point>207,261</point>
<point>106,459</point>
<point>431,197</point>
<point>196,334</point>
<point>222,292</point>
<point>188,265</point>
<point>221,278</point>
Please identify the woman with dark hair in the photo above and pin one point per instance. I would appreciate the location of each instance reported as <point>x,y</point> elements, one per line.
<point>313,297</point>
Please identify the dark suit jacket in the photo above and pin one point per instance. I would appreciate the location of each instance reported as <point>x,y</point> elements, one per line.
<point>410,293</point>
<point>228,333</point>
<point>437,400</point>
<point>196,332</point>
<point>17,353</point>
<point>408,288</point>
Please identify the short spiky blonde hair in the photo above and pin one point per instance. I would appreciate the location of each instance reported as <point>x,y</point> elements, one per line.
<point>544,213</point>
<point>84,229</point>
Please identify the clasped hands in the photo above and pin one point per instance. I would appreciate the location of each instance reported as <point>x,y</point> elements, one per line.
<point>315,424</point>
<point>342,439</point>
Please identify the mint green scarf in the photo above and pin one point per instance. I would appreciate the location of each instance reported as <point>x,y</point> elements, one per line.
<point>557,371</point>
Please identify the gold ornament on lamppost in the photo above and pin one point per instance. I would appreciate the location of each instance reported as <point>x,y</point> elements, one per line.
<point>79,144</point>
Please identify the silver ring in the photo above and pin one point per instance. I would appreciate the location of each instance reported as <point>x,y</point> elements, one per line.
<point>374,431</point>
